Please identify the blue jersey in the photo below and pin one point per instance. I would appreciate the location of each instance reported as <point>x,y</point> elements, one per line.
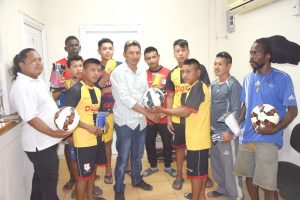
<point>275,88</point>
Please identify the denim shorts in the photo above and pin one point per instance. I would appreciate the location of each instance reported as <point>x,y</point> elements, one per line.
<point>260,162</point>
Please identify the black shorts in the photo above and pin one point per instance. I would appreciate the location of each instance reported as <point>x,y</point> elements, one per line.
<point>197,164</point>
<point>101,152</point>
<point>178,141</point>
<point>88,158</point>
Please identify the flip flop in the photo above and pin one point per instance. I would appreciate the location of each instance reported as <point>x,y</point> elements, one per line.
<point>209,183</point>
<point>97,191</point>
<point>177,184</point>
<point>73,194</point>
<point>188,195</point>
<point>99,198</point>
<point>108,179</point>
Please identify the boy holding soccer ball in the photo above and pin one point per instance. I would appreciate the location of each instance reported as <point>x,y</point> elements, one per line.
<point>196,110</point>
<point>257,158</point>
<point>89,148</point>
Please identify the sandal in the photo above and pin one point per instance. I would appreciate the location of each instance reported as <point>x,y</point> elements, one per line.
<point>188,195</point>
<point>172,172</point>
<point>108,179</point>
<point>97,191</point>
<point>69,185</point>
<point>177,184</point>
<point>73,194</point>
<point>99,198</point>
<point>209,183</point>
<point>149,171</point>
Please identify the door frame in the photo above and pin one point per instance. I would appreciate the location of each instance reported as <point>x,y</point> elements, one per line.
<point>26,20</point>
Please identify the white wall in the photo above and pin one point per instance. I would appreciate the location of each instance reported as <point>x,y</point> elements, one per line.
<point>273,19</point>
<point>11,34</point>
<point>162,23</point>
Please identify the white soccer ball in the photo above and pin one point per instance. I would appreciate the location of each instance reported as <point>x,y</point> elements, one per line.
<point>66,118</point>
<point>153,97</point>
<point>265,113</point>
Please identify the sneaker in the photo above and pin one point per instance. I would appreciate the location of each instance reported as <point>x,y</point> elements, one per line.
<point>216,194</point>
<point>142,184</point>
<point>119,195</point>
<point>149,171</point>
<point>172,172</point>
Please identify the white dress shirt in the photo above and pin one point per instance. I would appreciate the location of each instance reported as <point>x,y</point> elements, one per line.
<point>31,98</point>
<point>128,89</point>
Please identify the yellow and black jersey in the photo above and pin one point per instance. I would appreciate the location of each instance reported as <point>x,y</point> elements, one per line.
<point>176,85</point>
<point>86,100</point>
<point>197,127</point>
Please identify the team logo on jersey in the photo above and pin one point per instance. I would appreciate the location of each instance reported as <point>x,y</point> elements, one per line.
<point>182,88</point>
<point>93,108</point>
<point>291,97</point>
<point>87,167</point>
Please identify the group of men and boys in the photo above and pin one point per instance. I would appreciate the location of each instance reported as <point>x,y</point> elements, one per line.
<point>187,121</point>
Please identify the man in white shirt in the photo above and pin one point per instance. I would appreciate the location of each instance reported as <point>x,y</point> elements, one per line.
<point>35,105</point>
<point>129,83</point>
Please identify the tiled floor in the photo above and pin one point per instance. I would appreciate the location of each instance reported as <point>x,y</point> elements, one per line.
<point>161,182</point>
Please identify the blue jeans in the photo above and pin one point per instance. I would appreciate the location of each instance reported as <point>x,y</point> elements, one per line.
<point>129,142</point>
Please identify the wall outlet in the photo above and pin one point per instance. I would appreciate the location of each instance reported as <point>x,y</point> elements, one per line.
<point>230,22</point>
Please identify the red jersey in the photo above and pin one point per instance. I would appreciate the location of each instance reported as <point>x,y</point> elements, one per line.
<point>163,72</point>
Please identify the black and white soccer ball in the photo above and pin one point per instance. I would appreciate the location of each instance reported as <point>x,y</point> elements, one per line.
<point>66,118</point>
<point>264,115</point>
<point>153,97</point>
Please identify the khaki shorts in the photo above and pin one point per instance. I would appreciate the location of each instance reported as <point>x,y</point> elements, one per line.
<point>109,135</point>
<point>260,162</point>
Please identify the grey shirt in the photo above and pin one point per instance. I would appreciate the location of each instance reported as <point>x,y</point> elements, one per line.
<point>225,97</point>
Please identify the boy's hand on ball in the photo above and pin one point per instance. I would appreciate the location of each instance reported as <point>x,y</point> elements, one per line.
<point>155,109</point>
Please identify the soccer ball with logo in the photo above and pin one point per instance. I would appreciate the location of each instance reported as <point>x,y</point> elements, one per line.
<point>66,118</point>
<point>153,97</point>
<point>264,115</point>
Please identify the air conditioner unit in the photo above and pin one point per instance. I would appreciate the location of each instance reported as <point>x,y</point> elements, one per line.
<point>241,6</point>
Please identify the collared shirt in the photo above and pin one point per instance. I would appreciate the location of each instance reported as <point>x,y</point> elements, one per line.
<point>128,89</point>
<point>31,98</point>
